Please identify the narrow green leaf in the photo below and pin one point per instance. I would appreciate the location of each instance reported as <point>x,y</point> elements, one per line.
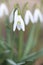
<point>21,63</point>
<point>36,55</point>
<point>37,32</point>
<point>11,62</point>
<point>33,56</point>
<point>30,40</point>
<point>8,32</point>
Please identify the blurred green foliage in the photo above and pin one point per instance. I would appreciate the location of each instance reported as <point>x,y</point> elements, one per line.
<point>12,50</point>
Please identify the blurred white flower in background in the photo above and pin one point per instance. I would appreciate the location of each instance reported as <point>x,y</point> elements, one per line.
<point>18,22</point>
<point>37,16</point>
<point>3,10</point>
<point>11,16</point>
<point>28,17</point>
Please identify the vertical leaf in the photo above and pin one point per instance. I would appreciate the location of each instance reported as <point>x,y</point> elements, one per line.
<point>30,40</point>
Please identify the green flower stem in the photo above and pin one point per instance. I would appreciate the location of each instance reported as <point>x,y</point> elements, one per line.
<point>20,44</point>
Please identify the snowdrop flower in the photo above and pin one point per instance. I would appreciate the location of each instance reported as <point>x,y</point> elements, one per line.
<point>3,10</point>
<point>28,17</point>
<point>42,18</point>
<point>11,16</point>
<point>18,22</point>
<point>37,15</point>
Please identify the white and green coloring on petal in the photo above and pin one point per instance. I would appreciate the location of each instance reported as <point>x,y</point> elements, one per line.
<point>18,22</point>
<point>11,16</point>
<point>37,15</point>
<point>28,16</point>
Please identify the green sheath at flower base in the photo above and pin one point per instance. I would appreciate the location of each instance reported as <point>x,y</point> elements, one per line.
<point>16,6</point>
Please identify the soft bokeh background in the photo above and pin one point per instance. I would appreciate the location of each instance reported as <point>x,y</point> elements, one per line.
<point>10,3</point>
<point>31,3</point>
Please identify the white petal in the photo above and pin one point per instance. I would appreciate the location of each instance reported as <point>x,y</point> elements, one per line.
<point>22,26</point>
<point>16,13</point>
<point>11,16</point>
<point>37,15</point>
<point>14,25</point>
<point>42,18</point>
<point>18,18</point>
<point>19,27</point>
<point>15,20</point>
<point>1,12</point>
<point>5,9</point>
<point>28,17</point>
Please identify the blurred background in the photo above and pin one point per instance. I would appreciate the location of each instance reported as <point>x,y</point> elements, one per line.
<point>31,5</point>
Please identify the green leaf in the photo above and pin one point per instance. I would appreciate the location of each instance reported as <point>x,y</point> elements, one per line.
<point>4,55</point>
<point>21,63</point>
<point>36,55</point>
<point>33,56</point>
<point>37,32</point>
<point>30,40</point>
<point>11,62</point>
<point>8,34</point>
<point>2,44</point>
<point>14,63</point>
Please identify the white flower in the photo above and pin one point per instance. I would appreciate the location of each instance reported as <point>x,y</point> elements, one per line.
<point>42,18</point>
<point>37,16</point>
<point>3,10</point>
<point>18,22</point>
<point>28,17</point>
<point>11,16</point>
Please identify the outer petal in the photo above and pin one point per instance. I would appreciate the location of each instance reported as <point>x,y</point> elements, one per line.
<point>1,12</point>
<point>15,20</point>
<point>37,15</point>
<point>11,16</point>
<point>14,25</point>
<point>42,18</point>
<point>5,9</point>
<point>28,17</point>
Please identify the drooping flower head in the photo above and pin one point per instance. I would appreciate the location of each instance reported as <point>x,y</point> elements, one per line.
<point>28,17</point>
<point>18,22</point>
<point>3,10</point>
<point>37,15</point>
